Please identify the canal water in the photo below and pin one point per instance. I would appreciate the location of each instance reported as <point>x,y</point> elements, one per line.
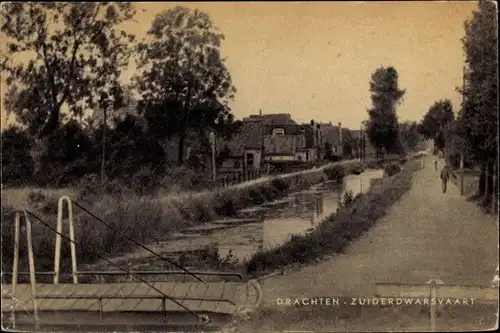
<point>257,228</point>
<point>297,214</point>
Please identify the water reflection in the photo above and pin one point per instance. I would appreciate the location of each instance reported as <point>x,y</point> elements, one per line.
<point>299,213</point>
<point>309,208</point>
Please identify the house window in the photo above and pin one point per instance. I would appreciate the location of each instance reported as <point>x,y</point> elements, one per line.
<point>237,164</point>
<point>250,159</point>
<point>300,157</point>
<point>278,131</point>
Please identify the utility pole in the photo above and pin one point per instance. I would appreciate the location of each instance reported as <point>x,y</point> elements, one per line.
<point>212,141</point>
<point>361,143</point>
<point>461,148</point>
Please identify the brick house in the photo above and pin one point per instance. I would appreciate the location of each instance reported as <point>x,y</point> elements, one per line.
<point>271,138</point>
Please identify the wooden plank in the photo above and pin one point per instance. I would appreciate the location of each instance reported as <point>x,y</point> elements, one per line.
<point>181,291</point>
<point>215,291</point>
<point>235,292</point>
<point>241,295</point>
<point>16,305</point>
<point>52,290</point>
<point>121,289</point>
<point>229,292</point>
<point>146,304</point>
<point>89,304</point>
<point>155,304</point>
<point>128,303</point>
<point>23,291</point>
<point>197,291</point>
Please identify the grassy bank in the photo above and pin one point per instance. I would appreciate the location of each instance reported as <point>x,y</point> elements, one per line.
<point>145,219</point>
<point>334,234</point>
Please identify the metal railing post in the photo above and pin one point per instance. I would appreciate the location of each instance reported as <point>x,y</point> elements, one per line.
<point>164,308</point>
<point>57,256</point>
<point>101,315</point>
<point>31,262</point>
<point>15,262</point>
<point>31,259</point>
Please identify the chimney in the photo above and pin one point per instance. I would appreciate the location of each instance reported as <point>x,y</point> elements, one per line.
<point>260,112</point>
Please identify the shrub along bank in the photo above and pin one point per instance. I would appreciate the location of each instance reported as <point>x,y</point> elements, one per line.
<point>337,231</point>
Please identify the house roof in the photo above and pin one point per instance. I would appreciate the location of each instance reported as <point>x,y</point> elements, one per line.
<point>290,129</point>
<point>280,144</point>
<point>249,136</point>
<point>329,133</point>
<point>272,119</point>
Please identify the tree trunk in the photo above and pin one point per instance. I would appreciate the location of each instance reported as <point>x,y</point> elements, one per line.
<point>494,196</point>
<point>103,156</point>
<point>482,181</point>
<point>488,188</point>
<point>182,139</point>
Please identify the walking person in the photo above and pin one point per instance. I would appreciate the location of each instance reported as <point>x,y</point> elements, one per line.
<point>445,175</point>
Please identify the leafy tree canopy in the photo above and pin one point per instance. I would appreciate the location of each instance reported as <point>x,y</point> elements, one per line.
<point>76,53</point>
<point>185,84</point>
<point>478,118</point>
<point>382,126</point>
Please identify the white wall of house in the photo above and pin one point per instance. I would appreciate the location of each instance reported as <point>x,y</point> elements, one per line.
<point>312,155</point>
<point>271,158</point>
<point>257,158</point>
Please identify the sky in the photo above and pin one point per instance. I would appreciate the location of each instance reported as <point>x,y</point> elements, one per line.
<point>314,60</point>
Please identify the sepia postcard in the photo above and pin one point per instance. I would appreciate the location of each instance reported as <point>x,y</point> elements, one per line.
<point>249,166</point>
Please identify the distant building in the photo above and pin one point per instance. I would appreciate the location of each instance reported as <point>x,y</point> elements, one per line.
<point>270,138</point>
<point>332,135</point>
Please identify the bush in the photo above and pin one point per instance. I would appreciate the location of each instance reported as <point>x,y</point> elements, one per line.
<point>348,198</point>
<point>333,158</point>
<point>17,163</point>
<point>392,169</point>
<point>279,184</point>
<point>336,172</point>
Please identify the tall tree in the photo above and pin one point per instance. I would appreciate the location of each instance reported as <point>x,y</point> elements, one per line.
<point>349,145</point>
<point>478,118</point>
<point>436,123</point>
<point>185,84</point>
<point>408,132</point>
<point>382,127</point>
<point>75,54</point>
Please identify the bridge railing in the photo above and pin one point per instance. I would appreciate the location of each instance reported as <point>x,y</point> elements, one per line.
<point>75,273</point>
<point>147,273</point>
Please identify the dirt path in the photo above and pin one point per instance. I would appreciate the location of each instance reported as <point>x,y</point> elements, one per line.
<point>427,234</point>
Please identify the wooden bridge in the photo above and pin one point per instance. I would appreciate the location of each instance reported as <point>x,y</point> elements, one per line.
<point>111,306</point>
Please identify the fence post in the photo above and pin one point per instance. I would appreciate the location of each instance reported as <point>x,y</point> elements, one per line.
<point>433,306</point>
<point>495,187</point>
